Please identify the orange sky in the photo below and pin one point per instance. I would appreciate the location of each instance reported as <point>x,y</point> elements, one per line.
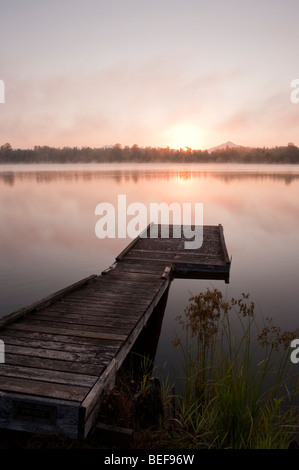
<point>172,73</point>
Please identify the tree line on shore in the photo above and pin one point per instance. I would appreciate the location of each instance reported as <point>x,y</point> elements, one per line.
<point>117,154</point>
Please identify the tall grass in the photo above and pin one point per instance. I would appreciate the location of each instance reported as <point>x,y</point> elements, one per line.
<point>237,376</point>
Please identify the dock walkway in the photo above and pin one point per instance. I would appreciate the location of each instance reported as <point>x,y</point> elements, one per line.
<point>62,352</point>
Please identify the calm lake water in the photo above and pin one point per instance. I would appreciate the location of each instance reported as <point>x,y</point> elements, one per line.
<point>48,241</point>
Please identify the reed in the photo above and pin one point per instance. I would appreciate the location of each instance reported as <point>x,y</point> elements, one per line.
<point>237,376</point>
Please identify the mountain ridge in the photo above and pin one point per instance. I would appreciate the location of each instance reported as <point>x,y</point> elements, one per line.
<point>224,146</point>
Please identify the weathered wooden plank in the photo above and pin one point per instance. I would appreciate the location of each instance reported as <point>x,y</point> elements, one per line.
<point>126,307</point>
<point>43,389</point>
<point>117,277</point>
<point>90,406</point>
<point>52,345</point>
<point>167,244</point>
<point>95,320</point>
<point>54,364</point>
<point>146,278</point>
<point>117,295</point>
<point>93,306</point>
<point>141,267</point>
<point>140,256</point>
<point>200,268</point>
<point>65,313</point>
<point>75,332</point>
<point>24,331</point>
<point>45,301</point>
<point>99,309</point>
<point>120,282</point>
<point>223,244</point>
<point>97,298</point>
<point>133,242</point>
<point>86,358</point>
<point>122,292</point>
<point>104,312</point>
<point>158,254</point>
<point>73,327</point>
<point>149,265</point>
<point>46,375</point>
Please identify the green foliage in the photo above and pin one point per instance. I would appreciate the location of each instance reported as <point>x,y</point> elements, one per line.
<point>231,398</point>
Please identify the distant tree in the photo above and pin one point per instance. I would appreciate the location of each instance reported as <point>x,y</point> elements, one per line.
<point>116,153</point>
<point>6,147</point>
<point>6,153</point>
<point>136,153</point>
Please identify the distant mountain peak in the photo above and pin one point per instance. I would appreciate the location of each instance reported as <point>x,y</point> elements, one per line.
<point>227,144</point>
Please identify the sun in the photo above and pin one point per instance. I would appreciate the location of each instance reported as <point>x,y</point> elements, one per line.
<point>184,136</point>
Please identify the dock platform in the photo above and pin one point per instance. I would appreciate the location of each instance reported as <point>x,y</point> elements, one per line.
<point>63,351</point>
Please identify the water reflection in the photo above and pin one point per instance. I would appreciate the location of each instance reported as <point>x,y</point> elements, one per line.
<point>229,173</point>
<point>47,231</point>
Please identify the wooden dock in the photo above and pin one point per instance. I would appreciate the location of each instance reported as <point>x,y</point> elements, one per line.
<point>62,352</point>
